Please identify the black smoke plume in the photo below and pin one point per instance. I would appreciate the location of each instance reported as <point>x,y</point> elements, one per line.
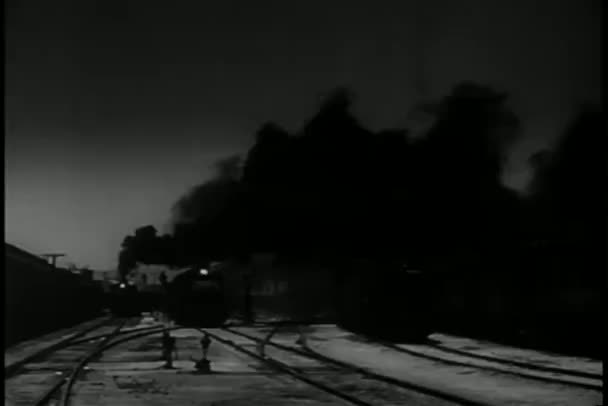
<point>336,189</point>
<point>145,247</point>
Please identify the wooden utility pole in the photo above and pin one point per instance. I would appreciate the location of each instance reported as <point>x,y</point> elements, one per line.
<point>53,258</point>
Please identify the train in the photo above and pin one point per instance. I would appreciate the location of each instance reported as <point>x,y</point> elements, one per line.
<point>386,300</point>
<point>40,298</point>
<point>193,296</point>
<point>196,297</point>
<point>391,301</point>
<point>125,300</point>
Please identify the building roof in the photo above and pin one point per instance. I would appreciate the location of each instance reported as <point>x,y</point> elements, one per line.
<point>14,252</point>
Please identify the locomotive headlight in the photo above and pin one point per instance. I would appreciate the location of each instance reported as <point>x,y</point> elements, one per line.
<point>204,272</point>
<point>122,285</point>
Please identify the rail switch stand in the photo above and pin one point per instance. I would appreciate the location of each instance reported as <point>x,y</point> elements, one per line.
<point>203,365</point>
<point>168,349</point>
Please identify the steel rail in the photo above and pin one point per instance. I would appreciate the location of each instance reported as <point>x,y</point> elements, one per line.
<point>45,397</point>
<point>564,371</point>
<point>490,368</point>
<point>369,374</point>
<point>290,371</point>
<point>105,346</point>
<point>12,369</point>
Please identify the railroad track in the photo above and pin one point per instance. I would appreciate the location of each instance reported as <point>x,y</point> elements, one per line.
<point>12,369</point>
<point>138,333</point>
<point>526,365</point>
<point>74,339</point>
<point>69,381</point>
<point>346,381</point>
<point>30,381</point>
<point>68,358</point>
<point>498,360</point>
<point>521,369</point>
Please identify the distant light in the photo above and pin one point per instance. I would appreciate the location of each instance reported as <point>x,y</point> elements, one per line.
<point>204,272</point>
<point>122,285</point>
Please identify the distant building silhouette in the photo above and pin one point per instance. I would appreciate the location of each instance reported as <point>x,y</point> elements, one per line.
<point>148,277</point>
<point>17,254</point>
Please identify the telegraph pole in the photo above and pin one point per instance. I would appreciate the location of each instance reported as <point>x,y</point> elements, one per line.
<point>53,258</point>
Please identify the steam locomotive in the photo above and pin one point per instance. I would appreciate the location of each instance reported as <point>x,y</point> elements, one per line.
<point>124,300</point>
<point>196,298</point>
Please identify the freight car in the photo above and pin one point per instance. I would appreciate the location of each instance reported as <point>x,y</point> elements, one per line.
<point>40,298</point>
<point>196,298</point>
<point>390,301</point>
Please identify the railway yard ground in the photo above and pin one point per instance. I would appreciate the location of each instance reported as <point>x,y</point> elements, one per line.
<point>119,362</point>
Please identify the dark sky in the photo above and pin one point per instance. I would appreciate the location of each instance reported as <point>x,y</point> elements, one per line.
<point>115,108</point>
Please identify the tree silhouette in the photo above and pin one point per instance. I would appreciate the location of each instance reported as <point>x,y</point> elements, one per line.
<point>458,189</point>
<point>145,247</point>
<point>569,191</point>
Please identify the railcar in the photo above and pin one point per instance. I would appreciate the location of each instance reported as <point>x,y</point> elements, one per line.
<point>40,298</point>
<point>387,301</point>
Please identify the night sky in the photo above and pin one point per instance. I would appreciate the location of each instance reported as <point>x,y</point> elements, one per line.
<point>115,108</point>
